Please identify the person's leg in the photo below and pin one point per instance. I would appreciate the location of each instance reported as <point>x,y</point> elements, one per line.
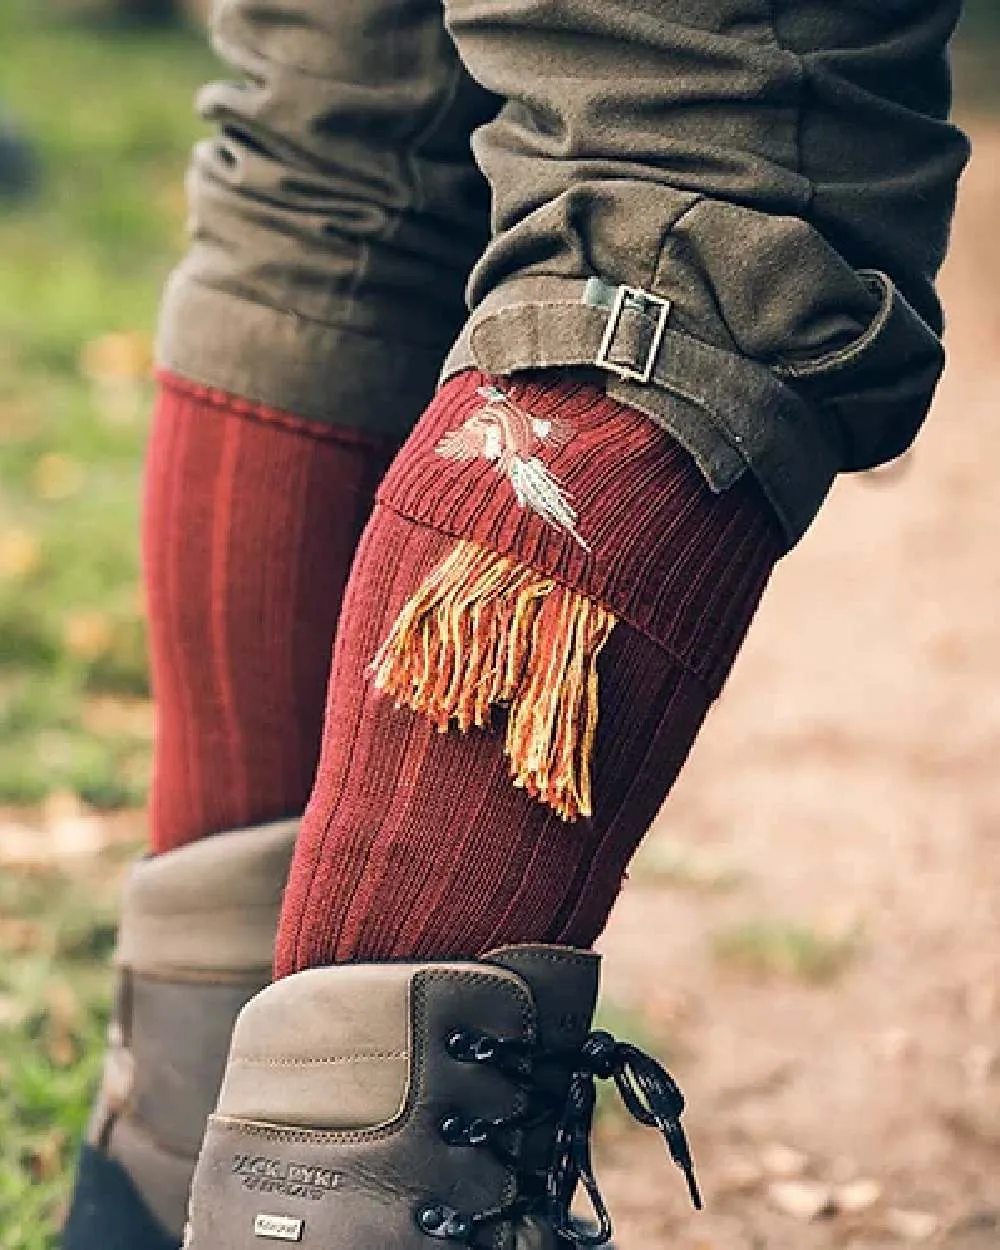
<point>251,521</point>
<point>336,213</point>
<point>518,676</point>
<point>692,199</point>
<point>580,661</point>
<point>654,221</point>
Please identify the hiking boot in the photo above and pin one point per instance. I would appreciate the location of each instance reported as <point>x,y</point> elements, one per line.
<point>195,943</point>
<point>391,1106</point>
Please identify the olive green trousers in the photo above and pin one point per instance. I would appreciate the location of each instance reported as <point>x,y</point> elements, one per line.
<point>733,211</point>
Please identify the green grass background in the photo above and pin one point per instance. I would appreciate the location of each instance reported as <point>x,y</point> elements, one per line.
<point>81,264</point>
<point>110,111</point>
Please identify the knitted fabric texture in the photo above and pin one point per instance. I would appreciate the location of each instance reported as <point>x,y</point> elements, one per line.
<point>415,842</point>
<point>493,630</point>
<point>485,632</point>
<point>250,523</point>
<point>643,519</point>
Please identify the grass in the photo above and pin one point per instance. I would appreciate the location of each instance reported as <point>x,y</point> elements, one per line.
<point>665,862</point>
<point>81,264</point>
<point>56,932</point>
<point>772,947</point>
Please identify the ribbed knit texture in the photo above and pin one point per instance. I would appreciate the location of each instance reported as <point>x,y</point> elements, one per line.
<point>251,520</point>
<point>684,566</point>
<point>415,843</point>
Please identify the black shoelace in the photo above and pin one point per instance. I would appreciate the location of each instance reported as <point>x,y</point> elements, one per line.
<point>647,1090</point>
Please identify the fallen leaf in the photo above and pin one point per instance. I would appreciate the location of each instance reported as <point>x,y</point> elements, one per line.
<point>125,355</point>
<point>63,1005</point>
<point>21,936</point>
<point>11,1011</point>
<point>803,1200</point>
<point>61,1049</point>
<point>110,718</point>
<point>738,1176</point>
<point>20,844</point>
<point>46,1155</point>
<point>911,1225</point>
<point>783,1162</point>
<point>56,476</point>
<point>857,1196</point>
<point>88,635</point>
<point>71,827</point>
<point>20,554</point>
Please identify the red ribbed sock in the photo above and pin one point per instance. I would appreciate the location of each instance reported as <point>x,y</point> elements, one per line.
<point>548,563</point>
<point>251,521</point>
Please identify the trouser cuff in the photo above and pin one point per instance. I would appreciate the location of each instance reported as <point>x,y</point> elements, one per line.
<point>309,368</point>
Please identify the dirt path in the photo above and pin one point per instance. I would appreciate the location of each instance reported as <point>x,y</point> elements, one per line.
<point>851,777</point>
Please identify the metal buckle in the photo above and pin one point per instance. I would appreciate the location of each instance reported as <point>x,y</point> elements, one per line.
<point>646,301</point>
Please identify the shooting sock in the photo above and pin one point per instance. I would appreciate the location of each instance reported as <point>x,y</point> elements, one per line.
<point>543,606</point>
<point>251,521</point>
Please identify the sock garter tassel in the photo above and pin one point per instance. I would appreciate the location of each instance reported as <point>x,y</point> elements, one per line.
<point>484,631</point>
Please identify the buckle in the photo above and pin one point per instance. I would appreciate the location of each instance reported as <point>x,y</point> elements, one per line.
<point>642,302</point>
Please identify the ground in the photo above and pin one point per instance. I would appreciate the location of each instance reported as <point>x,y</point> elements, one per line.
<point>815,924</point>
<point>811,937</point>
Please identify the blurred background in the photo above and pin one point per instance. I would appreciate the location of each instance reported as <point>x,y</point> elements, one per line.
<point>812,934</point>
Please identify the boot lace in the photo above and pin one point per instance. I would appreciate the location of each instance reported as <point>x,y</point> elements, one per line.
<point>648,1092</point>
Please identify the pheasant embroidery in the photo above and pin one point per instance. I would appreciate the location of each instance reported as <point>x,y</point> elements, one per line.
<point>510,438</point>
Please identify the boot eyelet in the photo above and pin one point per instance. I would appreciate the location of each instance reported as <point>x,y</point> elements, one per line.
<point>430,1219</point>
<point>443,1223</point>
<point>483,1049</point>
<point>453,1130</point>
<point>459,1226</point>
<point>460,1045</point>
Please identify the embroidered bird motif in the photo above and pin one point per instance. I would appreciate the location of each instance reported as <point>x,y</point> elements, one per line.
<point>510,438</point>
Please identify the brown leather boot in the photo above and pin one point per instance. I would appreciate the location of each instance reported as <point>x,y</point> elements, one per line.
<point>195,943</point>
<point>389,1106</point>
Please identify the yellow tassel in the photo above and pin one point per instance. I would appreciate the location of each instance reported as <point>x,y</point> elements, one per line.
<point>484,631</point>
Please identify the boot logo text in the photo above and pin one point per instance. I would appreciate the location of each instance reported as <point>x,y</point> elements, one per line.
<point>291,1180</point>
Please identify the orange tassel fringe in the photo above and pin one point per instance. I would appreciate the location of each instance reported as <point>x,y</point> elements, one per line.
<point>485,631</point>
